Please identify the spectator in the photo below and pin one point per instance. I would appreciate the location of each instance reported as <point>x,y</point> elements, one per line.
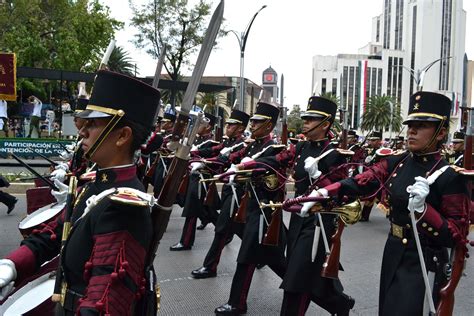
<point>35,116</point>
<point>4,117</point>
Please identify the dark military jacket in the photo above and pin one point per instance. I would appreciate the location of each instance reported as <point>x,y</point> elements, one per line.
<point>443,224</point>
<point>103,258</point>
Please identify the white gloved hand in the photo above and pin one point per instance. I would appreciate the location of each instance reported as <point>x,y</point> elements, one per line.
<point>225,151</point>
<point>368,159</point>
<point>308,205</point>
<point>232,177</point>
<point>194,148</point>
<point>246,159</point>
<point>58,174</point>
<point>60,195</point>
<point>311,167</point>
<point>70,147</point>
<point>195,166</point>
<point>418,193</point>
<point>7,276</point>
<point>65,155</point>
<point>62,165</point>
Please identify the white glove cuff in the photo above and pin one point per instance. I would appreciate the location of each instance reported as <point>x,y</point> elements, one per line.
<point>11,264</point>
<point>323,192</point>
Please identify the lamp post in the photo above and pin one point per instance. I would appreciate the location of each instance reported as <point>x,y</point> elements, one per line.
<point>419,75</point>
<point>242,39</point>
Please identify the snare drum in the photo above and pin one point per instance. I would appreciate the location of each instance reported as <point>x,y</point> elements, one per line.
<point>42,215</point>
<point>33,296</point>
<point>38,197</point>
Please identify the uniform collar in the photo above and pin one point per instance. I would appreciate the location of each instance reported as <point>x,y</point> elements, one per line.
<point>425,157</point>
<point>319,143</point>
<point>115,174</point>
<point>263,139</point>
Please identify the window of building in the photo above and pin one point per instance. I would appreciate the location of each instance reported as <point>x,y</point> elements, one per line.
<point>445,44</point>
<point>413,46</point>
<point>323,85</point>
<point>334,86</point>
<point>386,26</point>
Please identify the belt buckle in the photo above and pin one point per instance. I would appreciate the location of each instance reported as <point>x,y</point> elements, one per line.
<point>397,231</point>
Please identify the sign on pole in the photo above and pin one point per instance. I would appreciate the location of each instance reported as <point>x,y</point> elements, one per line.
<point>8,76</point>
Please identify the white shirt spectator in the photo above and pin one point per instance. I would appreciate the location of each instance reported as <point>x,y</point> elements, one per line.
<point>37,109</point>
<point>3,109</point>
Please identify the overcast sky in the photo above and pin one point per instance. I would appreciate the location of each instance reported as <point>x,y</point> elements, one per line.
<point>284,35</point>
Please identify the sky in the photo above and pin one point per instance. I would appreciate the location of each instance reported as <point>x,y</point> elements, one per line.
<point>285,35</point>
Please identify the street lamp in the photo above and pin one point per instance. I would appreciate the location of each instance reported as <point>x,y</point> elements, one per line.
<point>242,39</point>
<point>419,75</point>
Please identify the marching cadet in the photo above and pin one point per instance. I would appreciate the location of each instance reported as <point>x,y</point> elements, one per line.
<point>193,203</point>
<point>104,254</point>
<point>225,227</point>
<point>374,141</point>
<point>162,161</point>
<point>6,198</point>
<point>400,143</point>
<point>252,250</point>
<point>355,146</point>
<point>316,162</point>
<point>457,155</point>
<point>419,183</point>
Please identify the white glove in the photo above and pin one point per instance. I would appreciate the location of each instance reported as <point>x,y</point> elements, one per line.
<point>7,276</point>
<point>418,193</point>
<point>194,148</point>
<point>308,205</point>
<point>65,155</point>
<point>195,166</point>
<point>60,195</point>
<point>311,167</point>
<point>59,175</point>
<point>62,165</point>
<point>70,147</point>
<point>368,159</point>
<point>225,151</point>
<point>246,159</point>
<point>232,177</point>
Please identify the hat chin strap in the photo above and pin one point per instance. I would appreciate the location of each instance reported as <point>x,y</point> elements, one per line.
<point>433,138</point>
<point>318,125</point>
<point>105,132</point>
<point>265,124</point>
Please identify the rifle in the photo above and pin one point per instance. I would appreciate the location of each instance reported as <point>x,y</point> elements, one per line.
<point>60,286</point>
<point>446,294</point>
<point>161,212</point>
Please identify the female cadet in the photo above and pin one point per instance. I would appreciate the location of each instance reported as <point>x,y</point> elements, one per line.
<point>441,205</point>
<point>103,258</point>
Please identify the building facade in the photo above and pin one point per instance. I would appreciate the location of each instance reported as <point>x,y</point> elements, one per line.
<point>411,41</point>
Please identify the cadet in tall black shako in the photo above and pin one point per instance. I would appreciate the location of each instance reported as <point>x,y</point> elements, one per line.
<point>252,250</point>
<point>103,257</point>
<point>231,194</point>
<point>418,182</point>
<point>456,157</point>
<point>316,161</point>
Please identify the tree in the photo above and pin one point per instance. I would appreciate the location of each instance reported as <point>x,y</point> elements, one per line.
<point>120,61</point>
<point>294,120</point>
<point>56,34</point>
<point>377,114</point>
<point>174,24</point>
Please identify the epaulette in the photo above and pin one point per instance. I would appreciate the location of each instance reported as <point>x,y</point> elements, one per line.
<point>255,156</point>
<point>132,196</point>
<point>346,152</point>
<point>121,195</point>
<point>88,176</point>
<point>463,171</point>
<point>399,152</point>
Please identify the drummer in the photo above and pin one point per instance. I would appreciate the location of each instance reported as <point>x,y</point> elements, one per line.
<point>103,258</point>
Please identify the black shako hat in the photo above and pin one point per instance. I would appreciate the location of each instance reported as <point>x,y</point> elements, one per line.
<point>458,137</point>
<point>266,111</point>
<point>428,106</point>
<point>212,118</point>
<point>113,92</point>
<point>374,135</point>
<point>81,105</point>
<point>352,133</point>
<point>238,117</point>
<point>319,107</point>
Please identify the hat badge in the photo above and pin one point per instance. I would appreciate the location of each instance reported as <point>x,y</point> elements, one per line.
<point>416,106</point>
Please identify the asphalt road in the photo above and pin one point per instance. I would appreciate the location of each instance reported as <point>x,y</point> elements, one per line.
<point>361,256</point>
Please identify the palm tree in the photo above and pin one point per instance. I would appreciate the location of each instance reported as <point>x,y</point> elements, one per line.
<point>120,61</point>
<point>377,114</point>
